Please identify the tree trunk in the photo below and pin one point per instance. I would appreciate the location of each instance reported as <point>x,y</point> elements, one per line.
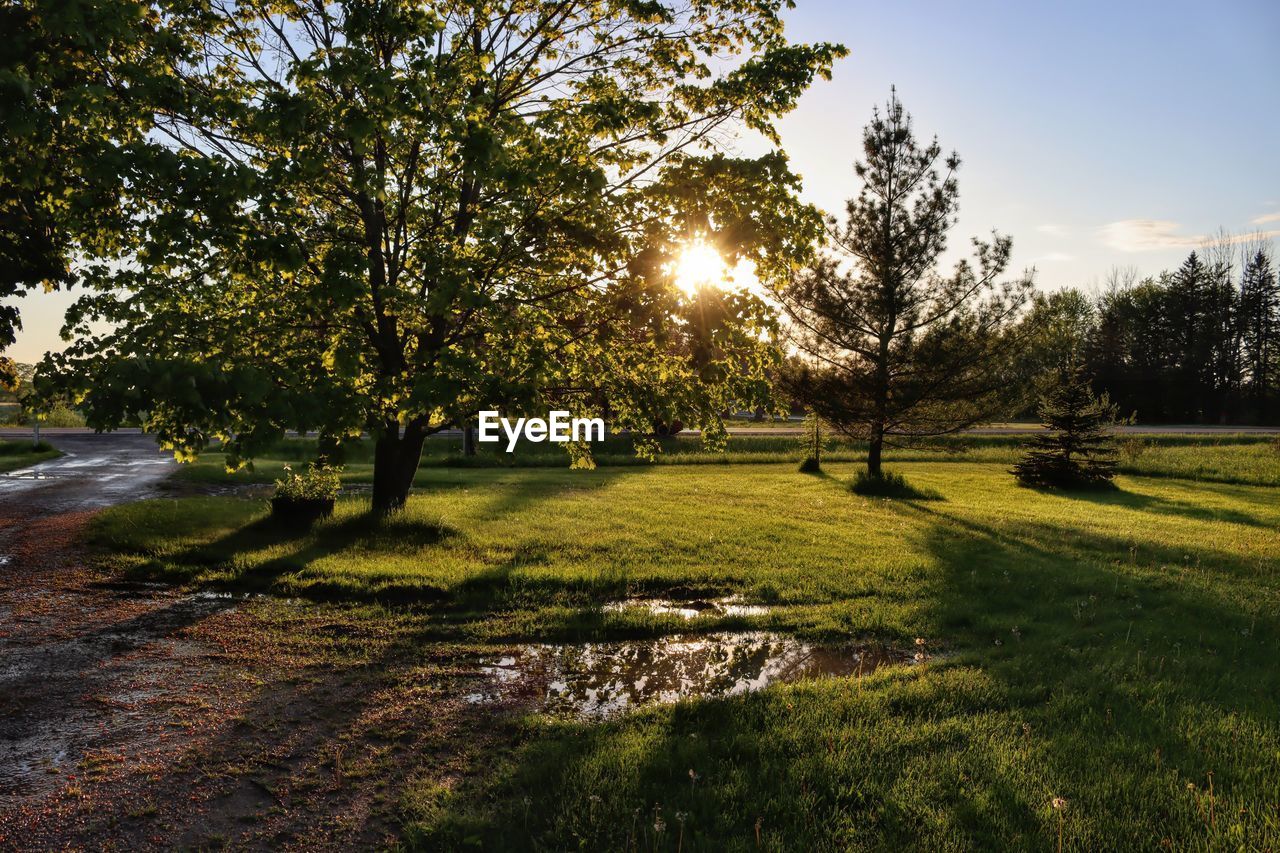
<point>395,461</point>
<point>874,451</point>
<point>468,439</point>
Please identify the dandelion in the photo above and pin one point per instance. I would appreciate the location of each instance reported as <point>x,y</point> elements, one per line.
<point>919,641</point>
<point>693,777</point>
<point>1060,806</point>
<point>999,642</point>
<point>1016,632</point>
<point>918,657</point>
<point>680,816</point>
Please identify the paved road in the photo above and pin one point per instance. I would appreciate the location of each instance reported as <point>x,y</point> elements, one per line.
<point>1018,429</point>
<point>64,435</point>
<point>96,471</point>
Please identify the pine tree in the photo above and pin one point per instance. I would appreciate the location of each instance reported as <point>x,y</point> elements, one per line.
<point>1187,293</point>
<point>1077,449</point>
<point>894,349</point>
<point>1260,315</point>
<point>812,440</point>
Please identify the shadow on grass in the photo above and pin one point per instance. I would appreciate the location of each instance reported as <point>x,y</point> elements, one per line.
<point>1073,675</point>
<point>1121,497</point>
<point>891,485</point>
<point>262,556</point>
<point>1126,670</point>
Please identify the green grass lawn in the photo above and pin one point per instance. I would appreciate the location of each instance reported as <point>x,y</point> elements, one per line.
<point>1116,649</point>
<point>1243,459</point>
<point>21,454</point>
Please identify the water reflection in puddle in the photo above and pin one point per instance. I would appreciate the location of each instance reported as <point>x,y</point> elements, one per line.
<point>601,679</point>
<point>731,606</point>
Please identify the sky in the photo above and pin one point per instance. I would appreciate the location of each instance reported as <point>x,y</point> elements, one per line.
<point>1096,134</point>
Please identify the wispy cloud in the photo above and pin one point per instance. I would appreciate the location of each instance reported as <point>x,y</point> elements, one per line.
<point>1145,235</point>
<point>1267,217</point>
<point>1053,257</point>
<point>1053,230</point>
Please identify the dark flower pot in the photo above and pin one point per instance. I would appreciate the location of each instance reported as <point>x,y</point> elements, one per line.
<point>294,512</point>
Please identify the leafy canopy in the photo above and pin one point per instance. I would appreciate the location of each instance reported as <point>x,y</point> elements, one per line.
<point>385,216</point>
<point>76,79</point>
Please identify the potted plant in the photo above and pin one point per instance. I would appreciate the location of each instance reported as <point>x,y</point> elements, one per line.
<point>302,498</point>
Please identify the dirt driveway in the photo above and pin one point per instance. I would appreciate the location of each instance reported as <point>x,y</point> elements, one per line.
<point>137,717</point>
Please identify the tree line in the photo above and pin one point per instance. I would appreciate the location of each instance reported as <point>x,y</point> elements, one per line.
<point>1198,344</point>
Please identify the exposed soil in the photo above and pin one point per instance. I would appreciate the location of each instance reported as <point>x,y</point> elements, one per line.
<point>135,717</point>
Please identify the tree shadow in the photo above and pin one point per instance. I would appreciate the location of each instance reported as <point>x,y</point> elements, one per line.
<point>497,582</point>
<point>1070,673</point>
<point>320,716</point>
<point>1121,665</point>
<point>524,488</point>
<point>1120,497</point>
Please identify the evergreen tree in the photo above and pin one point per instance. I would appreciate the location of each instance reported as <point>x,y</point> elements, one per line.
<point>813,441</point>
<point>1077,449</point>
<point>1188,297</point>
<point>1222,334</point>
<point>896,349</point>
<point>1260,322</point>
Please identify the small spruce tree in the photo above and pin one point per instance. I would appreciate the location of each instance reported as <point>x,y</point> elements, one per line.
<point>812,440</point>
<point>1077,449</point>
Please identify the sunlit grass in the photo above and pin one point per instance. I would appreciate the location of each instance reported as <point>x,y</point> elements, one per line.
<point>22,454</point>
<point>541,534</point>
<point>1244,459</point>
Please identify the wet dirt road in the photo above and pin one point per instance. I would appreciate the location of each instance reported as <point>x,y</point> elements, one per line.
<point>94,471</point>
<point>138,717</point>
<point>79,657</point>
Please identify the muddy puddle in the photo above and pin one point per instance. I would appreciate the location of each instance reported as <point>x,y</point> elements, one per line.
<point>597,680</point>
<point>728,606</point>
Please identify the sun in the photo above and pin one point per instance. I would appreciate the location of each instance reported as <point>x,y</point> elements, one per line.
<point>698,266</point>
